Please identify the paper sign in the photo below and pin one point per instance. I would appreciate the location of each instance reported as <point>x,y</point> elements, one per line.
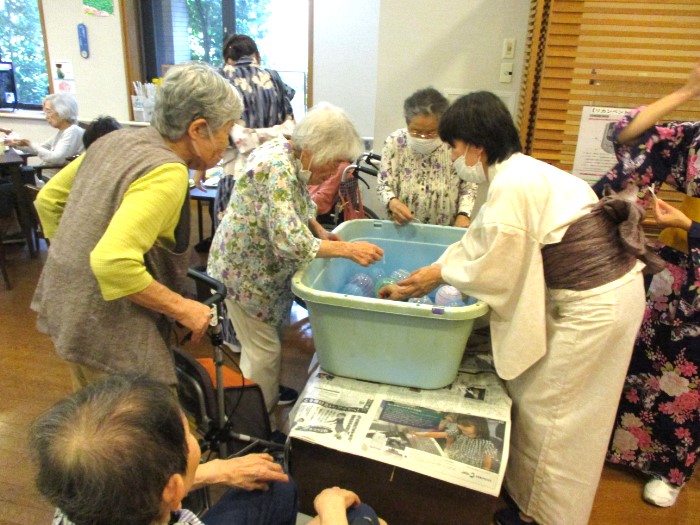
<point>595,154</point>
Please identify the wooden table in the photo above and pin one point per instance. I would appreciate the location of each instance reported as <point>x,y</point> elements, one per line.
<point>398,495</point>
<point>405,483</point>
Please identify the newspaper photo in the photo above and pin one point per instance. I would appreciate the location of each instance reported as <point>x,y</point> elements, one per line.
<point>458,434</point>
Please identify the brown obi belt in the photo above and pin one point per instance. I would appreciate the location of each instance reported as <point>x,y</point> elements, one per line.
<point>599,248</point>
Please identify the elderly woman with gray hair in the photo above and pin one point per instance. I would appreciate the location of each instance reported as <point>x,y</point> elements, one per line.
<point>118,220</point>
<point>416,179</point>
<point>269,231</point>
<point>61,112</point>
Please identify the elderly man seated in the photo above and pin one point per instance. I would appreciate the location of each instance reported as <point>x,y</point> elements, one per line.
<point>120,452</point>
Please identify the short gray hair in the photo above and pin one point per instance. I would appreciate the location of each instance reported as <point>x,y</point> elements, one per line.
<point>428,101</point>
<point>105,454</point>
<point>64,105</point>
<point>190,91</point>
<point>327,132</point>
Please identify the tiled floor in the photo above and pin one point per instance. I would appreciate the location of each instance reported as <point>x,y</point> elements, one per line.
<point>32,378</point>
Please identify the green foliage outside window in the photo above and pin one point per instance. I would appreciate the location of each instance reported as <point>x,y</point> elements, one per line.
<point>22,43</point>
<point>206,26</point>
<point>206,30</point>
<point>251,20</point>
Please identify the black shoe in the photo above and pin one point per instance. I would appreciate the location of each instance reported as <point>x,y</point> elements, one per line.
<point>288,396</point>
<point>510,516</point>
<point>203,245</point>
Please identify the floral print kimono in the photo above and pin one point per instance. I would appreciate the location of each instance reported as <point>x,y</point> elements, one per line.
<point>658,421</point>
<point>427,184</point>
<point>267,113</point>
<point>267,102</point>
<point>264,237</point>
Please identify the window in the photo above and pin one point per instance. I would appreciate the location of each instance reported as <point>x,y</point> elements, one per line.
<point>176,31</point>
<point>22,43</point>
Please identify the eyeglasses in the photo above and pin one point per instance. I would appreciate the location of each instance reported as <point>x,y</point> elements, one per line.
<point>423,134</point>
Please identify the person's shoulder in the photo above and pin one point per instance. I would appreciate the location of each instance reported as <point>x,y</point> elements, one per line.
<point>397,138</point>
<point>401,132</point>
<point>75,129</point>
<point>277,150</point>
<point>534,179</point>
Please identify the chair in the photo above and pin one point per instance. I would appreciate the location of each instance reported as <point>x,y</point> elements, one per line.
<point>37,231</point>
<point>4,225</point>
<point>38,170</point>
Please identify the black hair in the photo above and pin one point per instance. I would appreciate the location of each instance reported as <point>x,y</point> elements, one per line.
<point>428,101</point>
<point>479,423</point>
<point>483,120</point>
<point>99,127</point>
<point>239,46</point>
<point>106,453</point>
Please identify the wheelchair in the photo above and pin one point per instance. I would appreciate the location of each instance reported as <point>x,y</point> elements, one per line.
<point>348,203</point>
<point>226,410</point>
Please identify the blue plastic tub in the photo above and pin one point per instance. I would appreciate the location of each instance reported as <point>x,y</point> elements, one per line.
<point>399,343</point>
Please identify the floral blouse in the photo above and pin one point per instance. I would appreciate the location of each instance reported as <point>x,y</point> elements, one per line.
<point>664,153</point>
<point>427,184</point>
<point>180,517</point>
<point>264,237</point>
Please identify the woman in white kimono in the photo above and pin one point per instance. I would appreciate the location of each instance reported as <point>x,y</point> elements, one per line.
<point>566,293</point>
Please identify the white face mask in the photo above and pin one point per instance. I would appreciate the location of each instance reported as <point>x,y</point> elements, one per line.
<point>475,173</point>
<point>424,146</point>
<point>303,175</point>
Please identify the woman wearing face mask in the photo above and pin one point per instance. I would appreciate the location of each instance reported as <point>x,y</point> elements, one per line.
<point>269,231</point>
<point>559,270</point>
<point>416,179</point>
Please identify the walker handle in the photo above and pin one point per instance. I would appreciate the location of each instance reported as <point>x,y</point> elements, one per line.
<point>219,288</point>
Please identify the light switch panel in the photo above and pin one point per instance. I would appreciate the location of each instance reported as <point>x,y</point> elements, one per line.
<point>508,48</point>
<point>506,72</point>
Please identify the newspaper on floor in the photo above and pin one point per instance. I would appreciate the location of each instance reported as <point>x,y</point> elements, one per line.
<point>458,434</point>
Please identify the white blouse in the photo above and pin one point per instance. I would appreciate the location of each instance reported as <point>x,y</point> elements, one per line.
<point>499,261</point>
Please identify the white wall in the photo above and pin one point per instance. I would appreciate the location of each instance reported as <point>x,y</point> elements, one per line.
<point>100,79</point>
<point>370,55</point>
<point>447,45</point>
<point>345,57</point>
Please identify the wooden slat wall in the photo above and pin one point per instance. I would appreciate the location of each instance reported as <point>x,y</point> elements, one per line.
<point>620,53</point>
<point>617,53</point>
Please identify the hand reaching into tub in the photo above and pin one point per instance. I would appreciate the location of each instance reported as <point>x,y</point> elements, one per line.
<point>361,252</point>
<point>421,282</point>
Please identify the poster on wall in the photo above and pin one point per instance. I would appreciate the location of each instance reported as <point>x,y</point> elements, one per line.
<point>63,79</point>
<point>98,7</point>
<point>595,154</point>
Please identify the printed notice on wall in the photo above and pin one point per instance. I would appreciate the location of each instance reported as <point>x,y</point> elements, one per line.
<point>595,154</point>
<point>98,7</point>
<point>63,78</point>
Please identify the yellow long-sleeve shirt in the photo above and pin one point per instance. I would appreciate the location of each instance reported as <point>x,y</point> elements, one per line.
<point>149,213</point>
